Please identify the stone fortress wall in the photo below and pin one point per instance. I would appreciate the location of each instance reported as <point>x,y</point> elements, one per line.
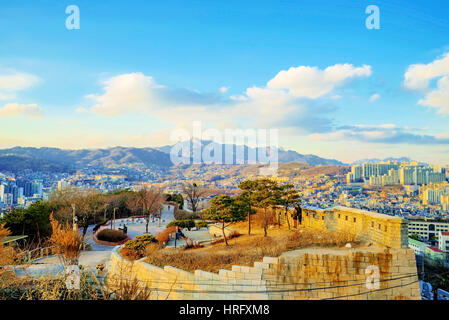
<point>382,230</point>
<point>309,273</point>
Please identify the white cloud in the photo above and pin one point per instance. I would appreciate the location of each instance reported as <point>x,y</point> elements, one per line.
<point>336,97</point>
<point>16,81</point>
<point>311,82</point>
<point>383,133</point>
<point>223,89</point>
<point>11,82</point>
<point>438,98</point>
<point>7,96</point>
<point>418,76</point>
<point>374,97</point>
<point>263,107</point>
<point>126,93</point>
<point>15,109</point>
<point>81,110</point>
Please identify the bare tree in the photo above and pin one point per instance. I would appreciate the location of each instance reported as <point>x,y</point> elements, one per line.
<point>87,204</point>
<point>194,194</point>
<point>149,201</point>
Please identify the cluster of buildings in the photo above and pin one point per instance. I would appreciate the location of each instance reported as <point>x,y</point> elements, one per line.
<point>19,192</point>
<point>435,194</point>
<point>391,173</point>
<point>102,182</point>
<point>430,239</point>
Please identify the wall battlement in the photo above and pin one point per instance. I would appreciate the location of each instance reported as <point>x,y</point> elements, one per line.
<point>380,229</point>
<point>305,274</point>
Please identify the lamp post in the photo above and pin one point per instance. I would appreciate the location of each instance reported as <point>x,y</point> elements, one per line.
<point>160,216</point>
<point>74,220</point>
<point>114,218</point>
<point>105,210</point>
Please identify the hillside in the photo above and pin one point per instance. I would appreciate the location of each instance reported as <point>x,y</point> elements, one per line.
<point>142,158</point>
<point>155,159</point>
<point>284,156</point>
<point>11,163</point>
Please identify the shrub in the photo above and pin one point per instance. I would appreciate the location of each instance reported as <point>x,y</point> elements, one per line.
<point>111,235</point>
<point>135,249</point>
<point>201,224</point>
<point>140,242</point>
<point>182,223</point>
<point>185,215</point>
<point>163,236</point>
<point>130,254</point>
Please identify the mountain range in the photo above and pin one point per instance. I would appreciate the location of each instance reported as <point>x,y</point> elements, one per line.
<point>186,152</point>
<point>62,160</point>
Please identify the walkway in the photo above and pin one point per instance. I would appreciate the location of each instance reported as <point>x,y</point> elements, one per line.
<point>101,254</point>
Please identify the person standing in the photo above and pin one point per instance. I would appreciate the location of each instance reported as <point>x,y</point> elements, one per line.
<point>297,216</point>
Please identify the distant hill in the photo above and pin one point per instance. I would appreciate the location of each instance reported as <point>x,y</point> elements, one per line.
<point>12,163</point>
<point>100,158</point>
<point>284,156</point>
<point>61,160</point>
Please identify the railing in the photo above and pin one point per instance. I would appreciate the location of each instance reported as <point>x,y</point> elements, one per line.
<point>31,255</point>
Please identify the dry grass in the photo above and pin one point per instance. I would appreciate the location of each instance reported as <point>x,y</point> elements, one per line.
<point>232,235</point>
<point>245,250</point>
<point>258,219</point>
<point>68,242</point>
<point>7,257</point>
<point>6,253</point>
<point>91,288</point>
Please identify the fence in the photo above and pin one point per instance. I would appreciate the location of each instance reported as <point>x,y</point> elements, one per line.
<point>31,255</point>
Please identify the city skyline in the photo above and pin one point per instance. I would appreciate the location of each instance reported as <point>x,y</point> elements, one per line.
<point>130,77</point>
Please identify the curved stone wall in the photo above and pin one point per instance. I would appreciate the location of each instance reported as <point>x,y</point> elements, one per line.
<point>306,274</point>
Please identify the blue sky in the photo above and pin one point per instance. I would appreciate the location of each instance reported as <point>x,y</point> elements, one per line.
<point>174,56</point>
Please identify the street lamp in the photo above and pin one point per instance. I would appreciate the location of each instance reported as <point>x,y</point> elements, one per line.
<point>74,219</point>
<point>114,218</point>
<point>105,210</point>
<point>160,216</point>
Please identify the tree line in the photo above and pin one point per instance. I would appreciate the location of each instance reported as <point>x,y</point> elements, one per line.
<point>263,194</point>
<point>89,206</point>
<point>85,207</point>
